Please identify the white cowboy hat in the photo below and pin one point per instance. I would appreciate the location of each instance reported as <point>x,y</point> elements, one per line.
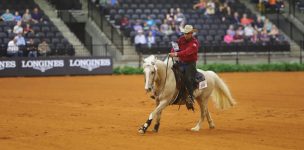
<point>187,29</point>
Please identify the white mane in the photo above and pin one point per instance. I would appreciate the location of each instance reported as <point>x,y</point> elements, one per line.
<point>150,60</point>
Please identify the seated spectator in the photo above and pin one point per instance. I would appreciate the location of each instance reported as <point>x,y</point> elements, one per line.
<point>180,17</point>
<point>7,16</point>
<point>31,48</point>
<point>165,28</point>
<point>36,16</point>
<point>231,30</point>
<point>259,24</point>
<point>255,37</point>
<point>225,9</point>
<point>246,21</point>
<point>248,31</point>
<point>201,6</point>
<point>264,38</point>
<point>267,25</point>
<point>150,21</point>
<point>228,38</point>
<point>155,31</point>
<point>140,39</point>
<point>235,19</point>
<point>150,39</point>
<point>239,35</point>
<point>18,28</point>
<point>20,40</point>
<point>146,27</point>
<point>137,27</point>
<point>124,21</point>
<point>43,48</point>
<point>13,49</point>
<point>27,29</point>
<point>210,8</point>
<point>17,16</point>
<point>27,17</point>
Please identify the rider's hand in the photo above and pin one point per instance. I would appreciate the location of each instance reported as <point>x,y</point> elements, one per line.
<point>173,54</point>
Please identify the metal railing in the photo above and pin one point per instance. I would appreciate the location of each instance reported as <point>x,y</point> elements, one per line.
<point>97,14</point>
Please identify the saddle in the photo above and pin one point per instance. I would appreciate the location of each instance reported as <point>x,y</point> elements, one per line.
<point>181,87</point>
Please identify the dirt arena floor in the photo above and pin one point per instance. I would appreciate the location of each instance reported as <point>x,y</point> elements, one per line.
<point>104,113</point>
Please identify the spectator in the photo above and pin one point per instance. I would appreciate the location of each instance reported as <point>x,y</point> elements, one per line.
<point>259,24</point>
<point>165,28</point>
<point>180,17</point>
<point>225,9</point>
<point>235,19</point>
<point>246,21</point>
<point>27,17</point>
<point>155,31</point>
<point>248,31</point>
<point>17,16</point>
<point>31,48</point>
<point>124,21</point>
<point>137,27</point>
<point>239,35</point>
<point>274,33</point>
<point>7,16</point>
<point>27,29</point>
<point>146,27</point>
<point>43,48</point>
<point>255,37</point>
<point>20,40</point>
<point>140,39</point>
<point>150,21</point>
<point>228,38</point>
<point>201,6</point>
<point>18,28</point>
<point>267,25</point>
<point>36,16</point>
<point>264,38</point>
<point>231,30</point>
<point>150,39</point>
<point>13,49</point>
<point>210,8</point>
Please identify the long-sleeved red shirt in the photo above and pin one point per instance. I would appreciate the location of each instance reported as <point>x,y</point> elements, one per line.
<point>188,49</point>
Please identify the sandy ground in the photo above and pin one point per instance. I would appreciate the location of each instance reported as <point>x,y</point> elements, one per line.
<point>104,112</point>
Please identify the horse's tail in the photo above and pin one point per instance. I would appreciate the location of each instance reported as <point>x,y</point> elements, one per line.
<point>221,94</point>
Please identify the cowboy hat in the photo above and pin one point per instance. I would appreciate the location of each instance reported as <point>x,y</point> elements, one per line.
<point>188,29</point>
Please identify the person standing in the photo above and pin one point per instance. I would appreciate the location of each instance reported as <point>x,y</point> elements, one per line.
<point>187,52</point>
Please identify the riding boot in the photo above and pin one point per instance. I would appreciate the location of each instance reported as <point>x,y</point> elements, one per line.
<point>189,103</point>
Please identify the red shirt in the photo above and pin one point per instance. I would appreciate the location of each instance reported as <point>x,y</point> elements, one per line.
<point>188,49</point>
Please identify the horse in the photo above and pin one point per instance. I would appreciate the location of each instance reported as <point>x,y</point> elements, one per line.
<point>160,80</point>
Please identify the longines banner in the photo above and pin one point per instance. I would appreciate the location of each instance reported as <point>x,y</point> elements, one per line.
<point>56,66</point>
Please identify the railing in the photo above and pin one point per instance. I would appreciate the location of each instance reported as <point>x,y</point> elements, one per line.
<point>98,16</point>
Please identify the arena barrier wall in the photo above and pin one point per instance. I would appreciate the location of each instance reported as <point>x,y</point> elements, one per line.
<point>55,66</point>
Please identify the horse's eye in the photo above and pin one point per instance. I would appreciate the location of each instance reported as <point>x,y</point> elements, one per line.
<point>152,72</point>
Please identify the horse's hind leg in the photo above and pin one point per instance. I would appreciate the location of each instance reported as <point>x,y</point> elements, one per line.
<point>158,109</point>
<point>210,121</point>
<point>202,106</point>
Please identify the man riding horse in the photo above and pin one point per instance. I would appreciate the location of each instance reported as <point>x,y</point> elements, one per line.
<point>186,50</point>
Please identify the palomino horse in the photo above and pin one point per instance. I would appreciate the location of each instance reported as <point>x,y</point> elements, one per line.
<point>160,79</point>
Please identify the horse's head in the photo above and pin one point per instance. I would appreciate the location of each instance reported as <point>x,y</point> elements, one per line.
<point>150,69</point>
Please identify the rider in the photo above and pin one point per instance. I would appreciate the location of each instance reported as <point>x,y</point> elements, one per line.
<point>188,48</point>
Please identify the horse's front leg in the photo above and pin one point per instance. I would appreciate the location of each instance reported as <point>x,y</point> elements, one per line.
<point>157,110</point>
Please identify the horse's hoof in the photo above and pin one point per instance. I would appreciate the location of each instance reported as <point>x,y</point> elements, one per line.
<point>155,131</point>
<point>212,126</point>
<point>141,131</point>
<point>195,129</point>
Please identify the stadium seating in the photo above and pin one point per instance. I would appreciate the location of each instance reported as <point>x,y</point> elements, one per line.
<point>211,29</point>
<point>42,30</point>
